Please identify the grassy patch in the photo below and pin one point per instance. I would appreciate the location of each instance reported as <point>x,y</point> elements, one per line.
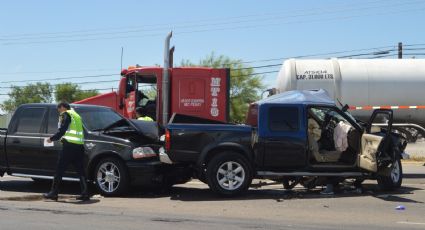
<point>415,159</point>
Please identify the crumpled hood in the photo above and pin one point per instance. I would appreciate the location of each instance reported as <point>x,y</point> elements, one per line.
<point>147,129</point>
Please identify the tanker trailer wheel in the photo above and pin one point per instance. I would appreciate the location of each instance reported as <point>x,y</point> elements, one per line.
<point>392,178</point>
<point>229,174</point>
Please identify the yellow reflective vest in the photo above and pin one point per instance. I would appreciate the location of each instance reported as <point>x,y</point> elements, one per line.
<point>145,118</point>
<point>75,132</point>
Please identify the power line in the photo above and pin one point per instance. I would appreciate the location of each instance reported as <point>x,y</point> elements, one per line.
<point>381,51</point>
<point>319,54</point>
<point>76,83</point>
<point>57,71</point>
<point>85,90</point>
<point>414,54</point>
<point>226,21</point>
<point>382,56</point>
<point>417,44</point>
<point>210,24</point>
<point>108,81</point>
<point>368,54</point>
<point>61,78</point>
<point>216,29</point>
<point>253,74</point>
<point>414,48</point>
<point>257,67</point>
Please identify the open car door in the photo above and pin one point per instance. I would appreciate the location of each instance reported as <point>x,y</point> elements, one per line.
<point>375,140</point>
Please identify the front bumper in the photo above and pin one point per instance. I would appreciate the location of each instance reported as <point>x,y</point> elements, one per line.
<point>155,173</point>
<point>146,173</point>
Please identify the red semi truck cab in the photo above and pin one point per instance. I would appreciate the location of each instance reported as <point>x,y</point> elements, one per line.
<point>164,91</point>
<point>194,91</point>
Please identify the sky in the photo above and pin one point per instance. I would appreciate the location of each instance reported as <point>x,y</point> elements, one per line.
<point>71,40</point>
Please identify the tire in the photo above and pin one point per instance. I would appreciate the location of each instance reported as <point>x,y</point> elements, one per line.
<point>290,183</point>
<point>229,174</point>
<point>309,182</point>
<point>393,179</point>
<point>111,177</point>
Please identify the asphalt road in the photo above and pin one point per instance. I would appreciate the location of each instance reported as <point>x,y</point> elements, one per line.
<point>193,206</point>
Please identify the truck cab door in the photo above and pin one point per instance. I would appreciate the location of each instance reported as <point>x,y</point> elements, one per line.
<point>24,141</point>
<point>376,140</point>
<point>130,98</point>
<point>282,129</point>
<point>51,154</point>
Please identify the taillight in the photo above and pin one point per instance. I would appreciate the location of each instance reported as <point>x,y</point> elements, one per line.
<point>167,140</point>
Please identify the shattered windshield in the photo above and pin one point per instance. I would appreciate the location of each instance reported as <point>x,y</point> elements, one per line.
<point>321,113</point>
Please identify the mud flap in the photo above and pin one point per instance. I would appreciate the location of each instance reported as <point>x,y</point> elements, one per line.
<point>369,148</point>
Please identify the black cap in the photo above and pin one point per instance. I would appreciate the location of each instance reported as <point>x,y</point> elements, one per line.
<point>64,104</point>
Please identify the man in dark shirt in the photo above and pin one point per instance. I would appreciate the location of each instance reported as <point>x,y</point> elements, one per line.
<point>71,135</point>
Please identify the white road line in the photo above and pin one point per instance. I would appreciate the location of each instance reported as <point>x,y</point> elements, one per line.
<point>411,223</point>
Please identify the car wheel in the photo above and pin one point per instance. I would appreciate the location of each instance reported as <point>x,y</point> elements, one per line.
<point>393,179</point>
<point>229,174</point>
<point>111,177</point>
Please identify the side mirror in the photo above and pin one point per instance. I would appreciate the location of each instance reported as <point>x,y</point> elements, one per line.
<point>345,108</point>
<point>272,91</point>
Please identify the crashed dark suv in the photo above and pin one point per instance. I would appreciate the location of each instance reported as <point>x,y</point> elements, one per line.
<point>119,152</point>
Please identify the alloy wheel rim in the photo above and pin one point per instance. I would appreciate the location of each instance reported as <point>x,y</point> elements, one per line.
<point>108,177</point>
<point>230,175</point>
<point>395,172</point>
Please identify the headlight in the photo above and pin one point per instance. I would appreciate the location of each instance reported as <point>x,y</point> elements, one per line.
<point>143,152</point>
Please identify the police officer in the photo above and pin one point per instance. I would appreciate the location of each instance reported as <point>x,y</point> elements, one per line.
<point>141,115</point>
<point>71,134</point>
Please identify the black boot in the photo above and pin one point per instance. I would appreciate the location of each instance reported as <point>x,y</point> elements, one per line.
<point>84,190</point>
<point>53,194</point>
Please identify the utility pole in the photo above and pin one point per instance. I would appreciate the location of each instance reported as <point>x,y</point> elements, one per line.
<point>400,50</point>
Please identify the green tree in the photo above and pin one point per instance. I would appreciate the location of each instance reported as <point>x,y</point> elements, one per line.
<point>245,85</point>
<point>72,92</point>
<point>32,93</point>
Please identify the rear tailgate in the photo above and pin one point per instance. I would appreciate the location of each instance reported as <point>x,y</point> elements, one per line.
<point>186,142</point>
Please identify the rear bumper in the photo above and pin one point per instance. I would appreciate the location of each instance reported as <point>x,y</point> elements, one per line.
<point>144,173</point>
<point>163,157</point>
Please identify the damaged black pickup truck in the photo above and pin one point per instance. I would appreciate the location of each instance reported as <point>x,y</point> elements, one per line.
<point>293,137</point>
<point>119,152</point>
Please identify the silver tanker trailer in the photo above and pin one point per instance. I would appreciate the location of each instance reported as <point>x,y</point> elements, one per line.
<point>365,84</point>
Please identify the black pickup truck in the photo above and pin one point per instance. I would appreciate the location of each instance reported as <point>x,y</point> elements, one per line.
<point>296,137</point>
<point>119,152</point>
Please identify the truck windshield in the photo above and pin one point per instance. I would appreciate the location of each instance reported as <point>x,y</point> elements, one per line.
<point>97,118</point>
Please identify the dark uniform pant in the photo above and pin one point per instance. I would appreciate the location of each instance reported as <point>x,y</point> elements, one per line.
<point>70,154</point>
